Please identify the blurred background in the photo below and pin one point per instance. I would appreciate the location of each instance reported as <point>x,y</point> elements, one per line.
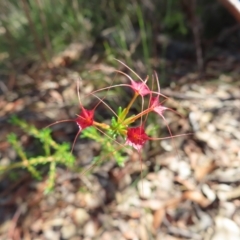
<point>190,186</point>
<point>154,31</point>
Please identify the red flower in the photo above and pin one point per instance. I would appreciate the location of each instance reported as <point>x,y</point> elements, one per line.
<point>156,106</point>
<point>140,88</point>
<point>85,119</point>
<point>136,137</point>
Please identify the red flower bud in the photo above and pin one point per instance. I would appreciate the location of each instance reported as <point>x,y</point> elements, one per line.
<point>85,119</point>
<point>136,137</point>
<point>156,106</point>
<point>140,88</point>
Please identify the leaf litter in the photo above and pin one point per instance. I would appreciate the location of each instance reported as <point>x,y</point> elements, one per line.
<point>190,196</point>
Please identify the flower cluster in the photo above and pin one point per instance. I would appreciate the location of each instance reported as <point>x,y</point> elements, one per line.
<point>122,124</point>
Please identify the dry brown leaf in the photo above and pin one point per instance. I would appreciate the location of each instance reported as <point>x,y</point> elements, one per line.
<point>186,183</point>
<point>228,195</point>
<point>56,96</point>
<point>173,202</point>
<point>4,145</point>
<point>158,218</point>
<point>196,197</point>
<point>202,171</point>
<point>135,214</point>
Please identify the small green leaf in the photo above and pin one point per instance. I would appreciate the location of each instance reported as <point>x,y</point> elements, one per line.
<point>119,111</point>
<point>12,138</point>
<point>14,120</point>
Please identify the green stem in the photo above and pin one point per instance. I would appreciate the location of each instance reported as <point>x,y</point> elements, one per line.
<point>134,118</point>
<point>33,161</point>
<point>126,110</point>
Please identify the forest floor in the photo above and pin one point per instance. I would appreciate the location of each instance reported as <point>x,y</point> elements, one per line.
<point>189,189</point>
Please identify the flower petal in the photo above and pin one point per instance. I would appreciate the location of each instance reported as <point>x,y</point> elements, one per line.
<point>156,106</point>
<point>140,88</point>
<point>136,137</point>
<point>85,119</point>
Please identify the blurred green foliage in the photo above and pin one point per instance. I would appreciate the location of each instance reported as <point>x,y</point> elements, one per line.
<point>52,153</point>
<point>124,29</point>
<point>116,27</point>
